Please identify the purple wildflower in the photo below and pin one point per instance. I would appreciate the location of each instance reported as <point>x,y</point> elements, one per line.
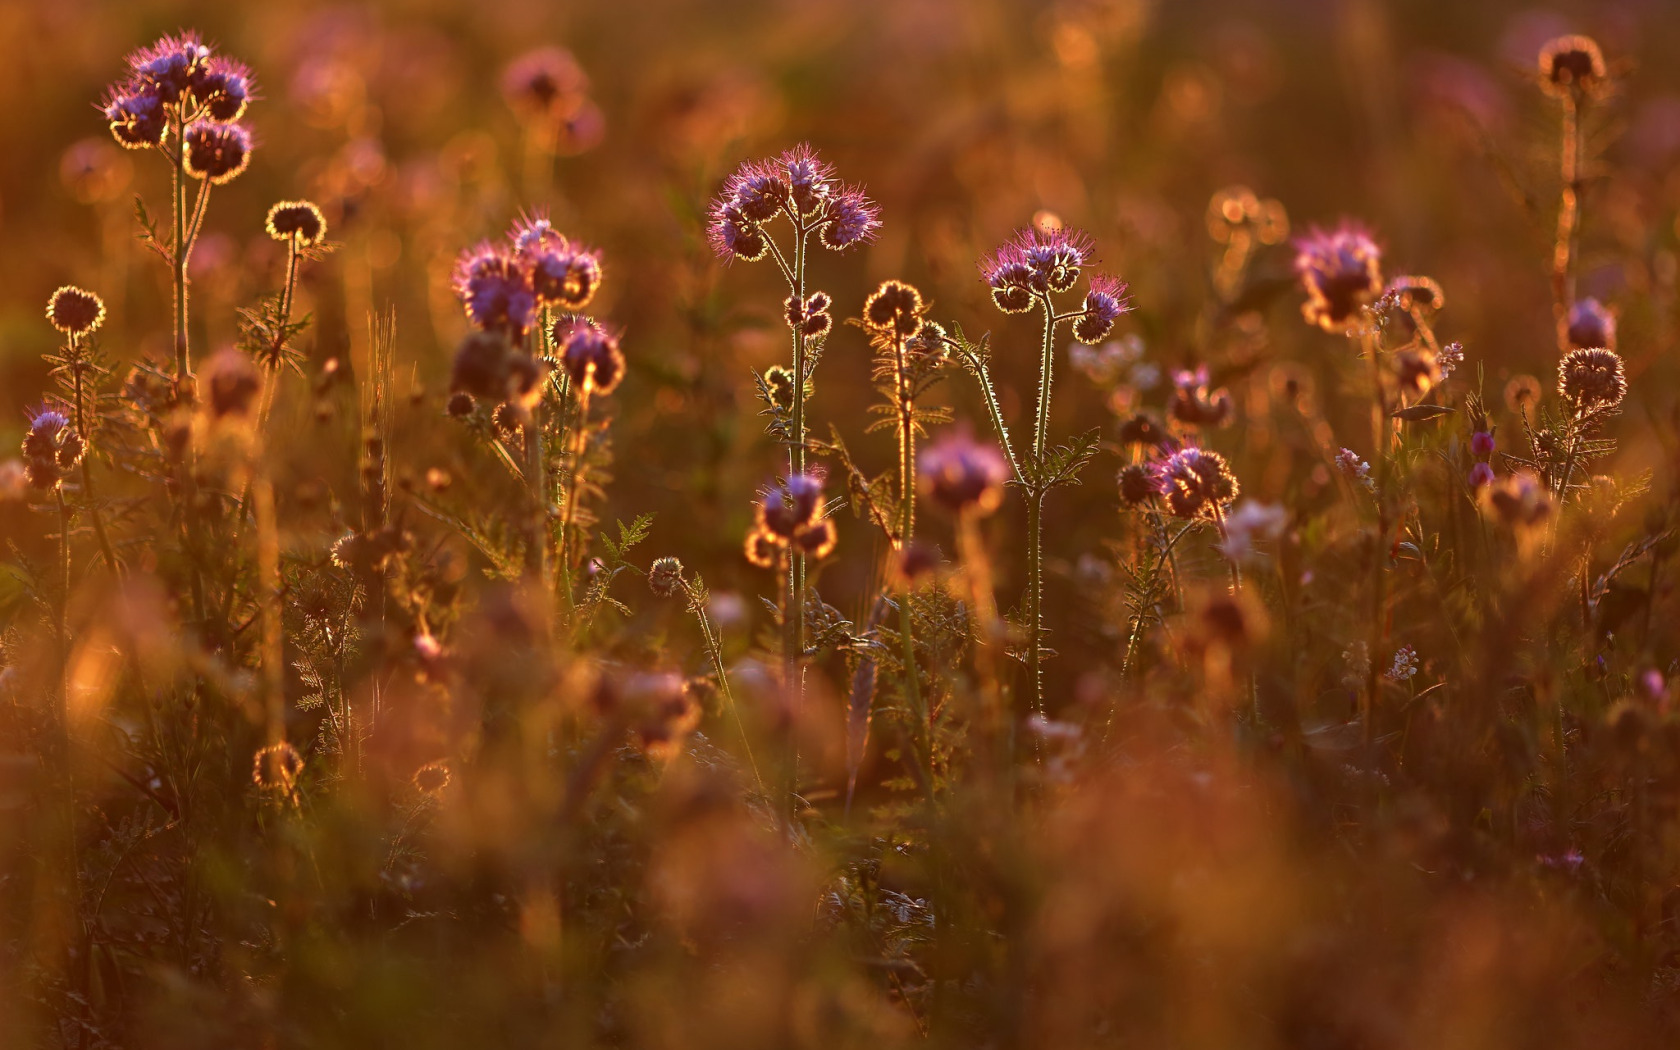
<point>135,113</point>
<point>1341,272</point>
<point>562,273</point>
<point>170,64</point>
<point>1591,326</point>
<point>218,152</point>
<point>1104,303</point>
<point>1197,483</point>
<point>590,356</point>
<point>495,289</point>
<point>223,87</point>
<point>734,236</point>
<point>962,475</point>
<point>810,179</point>
<point>852,219</point>
<point>759,189</point>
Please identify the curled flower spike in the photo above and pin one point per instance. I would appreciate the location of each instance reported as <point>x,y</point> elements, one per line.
<point>1341,271</point>
<point>223,87</point>
<point>799,184</point>
<point>217,152</point>
<point>759,190</point>
<point>1105,301</point>
<point>75,311</point>
<point>1592,379</point>
<point>1572,63</point>
<point>790,516</point>
<point>1591,325</point>
<point>962,475</point>
<point>590,356</point>
<point>894,310</point>
<point>1197,483</point>
<point>734,236</point>
<point>810,179</point>
<point>277,767</point>
<point>562,272</point>
<point>299,221</point>
<point>852,220</point>
<point>1037,261</point>
<point>495,289</point>
<point>809,316</point>
<point>170,64</point>
<point>51,448</point>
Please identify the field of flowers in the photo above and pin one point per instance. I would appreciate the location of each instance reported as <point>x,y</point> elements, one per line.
<point>840,523</point>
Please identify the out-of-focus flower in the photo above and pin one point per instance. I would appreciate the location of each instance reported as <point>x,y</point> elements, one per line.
<point>277,767</point>
<point>1341,271</point>
<point>963,475</point>
<point>1591,325</point>
<point>790,516</point>
<point>297,221</point>
<point>495,288</point>
<point>1572,64</point>
<point>562,273</point>
<point>589,354</point>
<point>1481,475</point>
<point>1193,404</point>
<point>51,448</point>
<point>1138,485</point>
<point>1252,520</point>
<point>1519,500</point>
<point>1354,469</point>
<point>1197,483</point>
<point>1451,356</point>
<point>545,84</point>
<point>233,381</point>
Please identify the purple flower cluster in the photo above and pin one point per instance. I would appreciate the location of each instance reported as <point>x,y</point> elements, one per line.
<point>1036,262</point>
<point>800,185</point>
<point>1341,270</point>
<point>502,286</point>
<point>179,82</point>
<point>962,475</point>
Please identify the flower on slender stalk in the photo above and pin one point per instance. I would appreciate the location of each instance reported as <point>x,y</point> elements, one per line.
<point>810,179</point>
<point>590,356</point>
<point>1197,483</point>
<point>51,448</point>
<point>853,219</point>
<point>1341,271</point>
<point>217,152</point>
<point>1138,485</point>
<point>665,577</point>
<point>1572,64</point>
<point>1481,475</point>
<point>277,767</point>
<point>562,273</point>
<point>300,222</point>
<point>223,87</point>
<point>75,311</point>
<point>1105,301</point>
<point>1591,325</point>
<point>1592,379</point>
<point>798,184</point>
<point>1038,261</point>
<point>170,64</point>
<point>963,475</point>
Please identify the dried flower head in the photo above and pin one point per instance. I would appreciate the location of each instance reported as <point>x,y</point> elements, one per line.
<point>1591,325</point>
<point>1572,64</point>
<point>1592,380</point>
<point>277,767</point>
<point>778,380</point>
<point>300,222</point>
<point>75,311</point>
<point>217,152</point>
<point>1341,271</point>
<point>51,448</point>
<point>963,475</point>
<point>894,311</point>
<point>1138,485</point>
<point>762,549</point>
<point>665,577</point>
<point>589,354</point>
<point>1197,483</point>
<point>1105,301</point>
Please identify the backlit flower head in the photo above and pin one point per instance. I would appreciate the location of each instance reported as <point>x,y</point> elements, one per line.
<point>790,516</point>
<point>233,382</point>
<point>217,152</point>
<point>1195,404</point>
<point>810,179</point>
<point>1592,379</point>
<point>1105,301</point>
<point>1138,485</point>
<point>51,448</point>
<point>1341,271</point>
<point>1572,63</point>
<point>562,272</point>
<point>495,289</point>
<point>170,64</point>
<point>135,115</point>
<point>852,219</point>
<point>590,356</point>
<point>894,311</point>
<point>809,316</point>
<point>277,767</point>
<point>223,87</point>
<point>299,221</point>
<point>1036,261</point>
<point>734,236</point>
<point>665,577</point>
<point>759,189</point>
<point>75,311</point>
<point>1197,483</point>
<point>1415,292</point>
<point>961,474</point>
<point>1591,325</point>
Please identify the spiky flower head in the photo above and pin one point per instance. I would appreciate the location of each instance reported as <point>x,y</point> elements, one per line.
<point>51,448</point>
<point>1341,271</point>
<point>734,236</point>
<point>135,115</point>
<point>894,311</point>
<point>170,64</point>
<point>223,87</point>
<point>963,475</point>
<point>809,316</point>
<point>300,222</point>
<point>1035,262</point>
<point>665,577</point>
<point>759,189</point>
<point>495,288</point>
<point>75,311</point>
<point>852,219</point>
<point>217,152</point>
<point>1591,325</point>
<point>791,516</point>
<point>1105,301</point>
<point>1138,485</point>
<point>1592,379</point>
<point>277,767</point>
<point>1572,63</point>
<point>431,778</point>
<point>590,356</point>
<point>562,272</point>
<point>810,179</point>
<point>1197,483</point>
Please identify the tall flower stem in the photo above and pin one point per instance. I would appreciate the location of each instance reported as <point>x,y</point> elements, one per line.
<point>574,486</point>
<point>1568,218</point>
<point>73,355</point>
<point>714,649</point>
<point>276,352</point>
<point>1035,509</point>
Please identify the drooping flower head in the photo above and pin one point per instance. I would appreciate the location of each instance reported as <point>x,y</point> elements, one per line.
<point>495,289</point>
<point>217,152</point>
<point>1592,379</point>
<point>1105,301</point>
<point>963,475</point>
<point>299,221</point>
<point>590,355</point>
<point>75,311</point>
<point>1197,483</point>
<point>223,87</point>
<point>1341,271</point>
<point>853,219</point>
<point>894,311</point>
